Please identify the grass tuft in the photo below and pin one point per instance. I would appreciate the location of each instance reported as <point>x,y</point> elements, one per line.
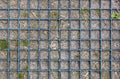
<point>3,44</point>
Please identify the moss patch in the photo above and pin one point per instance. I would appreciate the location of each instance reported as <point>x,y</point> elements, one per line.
<point>24,43</point>
<point>106,75</point>
<point>3,44</point>
<point>96,54</point>
<point>85,13</point>
<point>54,27</point>
<point>21,76</point>
<point>77,56</point>
<point>97,12</point>
<point>25,14</point>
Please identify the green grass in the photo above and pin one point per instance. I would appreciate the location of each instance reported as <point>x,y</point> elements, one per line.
<point>24,43</point>
<point>54,14</point>
<point>115,16</point>
<point>3,44</point>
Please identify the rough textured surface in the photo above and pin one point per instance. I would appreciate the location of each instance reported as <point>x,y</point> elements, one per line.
<point>54,35</point>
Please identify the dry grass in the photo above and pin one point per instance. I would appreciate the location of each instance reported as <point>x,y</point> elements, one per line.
<point>34,55</point>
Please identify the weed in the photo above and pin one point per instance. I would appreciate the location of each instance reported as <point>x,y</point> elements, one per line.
<point>25,14</point>
<point>115,16</point>
<point>54,27</point>
<point>105,65</point>
<point>3,44</point>
<point>78,34</point>
<point>96,65</point>
<point>97,12</point>
<point>106,75</point>
<point>24,43</point>
<point>54,59</point>
<point>21,76</point>
<point>26,68</point>
<point>106,54</point>
<point>77,56</point>
<point>17,43</point>
<point>34,25</point>
<point>52,70</point>
<point>54,14</point>
<point>96,54</point>
<point>83,11</point>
